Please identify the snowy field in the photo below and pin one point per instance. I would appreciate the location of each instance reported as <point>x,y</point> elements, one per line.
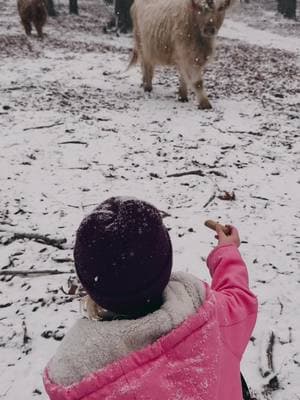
<point>76,128</point>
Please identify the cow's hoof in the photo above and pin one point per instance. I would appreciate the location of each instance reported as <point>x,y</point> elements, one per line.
<point>183,99</point>
<point>148,88</point>
<point>204,105</point>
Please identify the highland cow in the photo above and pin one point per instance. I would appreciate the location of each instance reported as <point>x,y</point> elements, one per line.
<point>180,33</point>
<point>33,12</point>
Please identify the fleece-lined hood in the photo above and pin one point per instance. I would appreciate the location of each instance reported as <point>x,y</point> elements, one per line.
<point>99,343</point>
<point>189,349</point>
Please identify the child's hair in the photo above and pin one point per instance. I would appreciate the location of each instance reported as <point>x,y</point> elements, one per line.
<point>91,309</point>
<point>123,257</point>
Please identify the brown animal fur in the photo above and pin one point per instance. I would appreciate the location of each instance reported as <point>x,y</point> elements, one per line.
<point>180,33</point>
<point>33,12</point>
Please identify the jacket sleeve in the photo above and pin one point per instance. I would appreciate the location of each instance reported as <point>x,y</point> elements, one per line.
<point>236,304</point>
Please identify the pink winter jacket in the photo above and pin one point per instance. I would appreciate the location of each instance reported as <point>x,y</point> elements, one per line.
<point>199,359</point>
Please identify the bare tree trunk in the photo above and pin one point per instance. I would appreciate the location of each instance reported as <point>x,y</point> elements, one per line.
<point>51,8</point>
<point>122,12</point>
<point>287,8</point>
<point>73,7</point>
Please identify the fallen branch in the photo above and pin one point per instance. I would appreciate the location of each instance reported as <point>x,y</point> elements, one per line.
<point>26,339</point>
<point>43,126</point>
<point>90,205</point>
<point>179,174</point>
<point>217,173</point>
<point>4,305</point>
<point>45,239</point>
<point>5,222</point>
<point>270,351</point>
<point>34,272</point>
<point>266,367</point>
<point>260,198</point>
<point>82,168</point>
<point>164,214</point>
<point>74,142</point>
<point>62,259</point>
<point>212,197</point>
<point>245,132</point>
<point>290,335</point>
<point>18,88</point>
<point>266,357</point>
<point>281,306</point>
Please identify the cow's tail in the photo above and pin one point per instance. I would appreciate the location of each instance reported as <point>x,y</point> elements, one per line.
<point>133,60</point>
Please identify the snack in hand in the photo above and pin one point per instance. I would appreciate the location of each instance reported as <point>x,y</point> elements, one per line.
<point>212,225</point>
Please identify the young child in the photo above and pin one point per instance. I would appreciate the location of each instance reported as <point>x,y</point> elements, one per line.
<point>151,335</point>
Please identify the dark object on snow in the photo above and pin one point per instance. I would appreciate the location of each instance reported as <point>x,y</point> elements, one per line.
<point>73,7</point>
<point>123,256</point>
<point>51,9</point>
<point>245,389</point>
<point>287,8</point>
<point>122,20</point>
<point>33,12</point>
<point>122,12</point>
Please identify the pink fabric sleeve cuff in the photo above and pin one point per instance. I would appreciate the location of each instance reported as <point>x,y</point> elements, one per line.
<point>219,252</point>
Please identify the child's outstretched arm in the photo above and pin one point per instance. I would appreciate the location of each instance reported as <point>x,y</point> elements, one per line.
<point>236,304</point>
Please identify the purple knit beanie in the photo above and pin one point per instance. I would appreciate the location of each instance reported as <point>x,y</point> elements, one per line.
<point>123,255</point>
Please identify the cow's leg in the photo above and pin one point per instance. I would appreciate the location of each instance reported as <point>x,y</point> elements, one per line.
<point>203,102</point>
<point>193,74</point>
<point>147,70</point>
<point>39,28</point>
<point>182,92</point>
<point>27,27</point>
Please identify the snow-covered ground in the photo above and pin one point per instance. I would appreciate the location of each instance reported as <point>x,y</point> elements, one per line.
<point>77,128</point>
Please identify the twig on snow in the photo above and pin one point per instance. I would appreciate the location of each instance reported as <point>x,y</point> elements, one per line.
<point>290,335</point>
<point>34,272</point>
<point>4,305</point>
<point>164,214</point>
<point>26,339</point>
<point>179,174</point>
<point>74,142</point>
<point>266,368</point>
<point>212,197</point>
<point>218,173</point>
<point>266,358</point>
<point>40,238</point>
<point>85,168</point>
<point>18,88</point>
<point>43,126</point>
<point>62,259</point>
<point>281,306</point>
<point>270,351</point>
<point>260,198</point>
<point>5,222</point>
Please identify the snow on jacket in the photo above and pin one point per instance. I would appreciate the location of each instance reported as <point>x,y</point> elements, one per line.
<point>188,349</point>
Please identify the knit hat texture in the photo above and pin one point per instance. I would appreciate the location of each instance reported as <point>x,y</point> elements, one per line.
<point>123,254</point>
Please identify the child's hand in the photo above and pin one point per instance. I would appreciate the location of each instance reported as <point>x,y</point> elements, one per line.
<point>231,238</point>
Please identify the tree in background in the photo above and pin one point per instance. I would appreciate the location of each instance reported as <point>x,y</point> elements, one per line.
<point>51,8</point>
<point>73,7</point>
<point>287,8</point>
<point>121,20</point>
<point>122,12</point>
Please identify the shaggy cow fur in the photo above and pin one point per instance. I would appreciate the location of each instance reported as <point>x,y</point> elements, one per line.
<point>180,33</point>
<point>33,12</point>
